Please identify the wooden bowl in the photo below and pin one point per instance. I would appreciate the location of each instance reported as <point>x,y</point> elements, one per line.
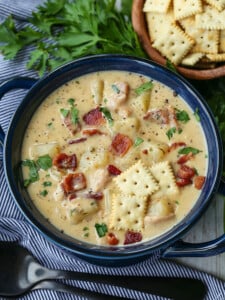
<point>140,26</point>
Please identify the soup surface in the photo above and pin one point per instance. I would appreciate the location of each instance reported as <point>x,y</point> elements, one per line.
<point>114,158</point>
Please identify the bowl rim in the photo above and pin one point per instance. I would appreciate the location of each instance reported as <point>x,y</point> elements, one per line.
<point>93,251</point>
<point>140,27</point>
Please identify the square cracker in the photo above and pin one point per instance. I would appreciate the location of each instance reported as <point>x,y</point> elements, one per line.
<point>210,18</point>
<point>160,6</point>
<point>218,4</point>
<point>216,57</point>
<point>192,58</point>
<point>158,23</point>
<point>222,41</point>
<point>206,41</point>
<point>137,180</point>
<point>174,44</point>
<point>186,8</point>
<point>163,173</point>
<point>128,212</point>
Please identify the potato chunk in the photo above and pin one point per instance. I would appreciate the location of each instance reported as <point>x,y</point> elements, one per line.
<point>37,150</point>
<point>159,210</point>
<point>80,208</point>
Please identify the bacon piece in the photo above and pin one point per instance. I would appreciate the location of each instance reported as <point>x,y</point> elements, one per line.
<point>184,158</point>
<point>176,145</point>
<point>113,170</point>
<point>132,237</point>
<point>121,144</point>
<point>185,172</point>
<point>95,196</point>
<point>77,141</point>
<point>183,181</point>
<point>72,127</point>
<point>199,182</point>
<point>74,182</point>
<point>64,161</point>
<point>92,131</point>
<point>112,239</point>
<point>94,117</point>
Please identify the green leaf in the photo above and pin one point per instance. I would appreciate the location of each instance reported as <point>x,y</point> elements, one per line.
<point>74,115</point>
<point>171,132</point>
<point>64,112</point>
<point>107,115</point>
<point>182,116</point>
<point>187,150</point>
<point>138,141</point>
<point>101,229</point>
<point>44,193</point>
<point>47,183</point>
<point>115,88</point>
<point>196,114</point>
<point>171,66</point>
<point>147,86</point>
<point>44,162</point>
<point>33,171</point>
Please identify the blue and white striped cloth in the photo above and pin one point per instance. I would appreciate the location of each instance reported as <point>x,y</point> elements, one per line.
<point>14,227</point>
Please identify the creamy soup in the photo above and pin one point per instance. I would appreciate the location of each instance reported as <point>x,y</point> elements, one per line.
<point>114,158</point>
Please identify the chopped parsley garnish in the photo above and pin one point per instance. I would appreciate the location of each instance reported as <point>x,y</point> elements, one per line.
<point>33,171</point>
<point>44,162</point>
<point>171,132</point>
<point>71,101</point>
<point>196,114</point>
<point>115,88</point>
<point>74,115</point>
<point>101,229</point>
<point>47,183</point>
<point>138,141</point>
<point>107,115</point>
<point>147,86</point>
<point>187,150</point>
<point>44,193</point>
<point>182,116</point>
<point>64,112</point>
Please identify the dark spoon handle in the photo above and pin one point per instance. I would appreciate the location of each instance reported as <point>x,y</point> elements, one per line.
<point>170,287</point>
<point>60,287</point>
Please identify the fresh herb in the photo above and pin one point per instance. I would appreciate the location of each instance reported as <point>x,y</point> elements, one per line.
<point>74,115</point>
<point>64,112</point>
<point>71,101</point>
<point>44,162</point>
<point>47,183</point>
<point>138,141</point>
<point>171,132</point>
<point>44,193</point>
<point>196,114</point>
<point>171,66</point>
<point>107,114</point>
<point>33,171</point>
<point>147,86</point>
<point>182,116</point>
<point>60,31</point>
<point>115,88</point>
<point>187,150</point>
<point>49,124</point>
<point>101,229</point>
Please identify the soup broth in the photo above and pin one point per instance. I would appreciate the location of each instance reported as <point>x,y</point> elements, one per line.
<point>114,158</point>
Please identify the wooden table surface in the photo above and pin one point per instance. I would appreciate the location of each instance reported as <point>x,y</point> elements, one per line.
<point>209,226</point>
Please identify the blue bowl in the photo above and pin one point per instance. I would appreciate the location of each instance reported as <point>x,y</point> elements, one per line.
<point>168,244</point>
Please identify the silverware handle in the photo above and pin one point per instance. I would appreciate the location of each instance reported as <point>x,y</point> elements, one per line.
<point>87,294</point>
<point>170,287</point>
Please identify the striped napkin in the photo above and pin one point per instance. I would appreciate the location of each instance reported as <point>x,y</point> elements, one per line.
<point>14,227</point>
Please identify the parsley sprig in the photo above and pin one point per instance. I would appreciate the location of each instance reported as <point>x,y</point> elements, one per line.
<point>62,30</point>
